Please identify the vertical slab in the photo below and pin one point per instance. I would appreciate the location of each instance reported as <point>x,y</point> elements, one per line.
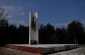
<point>33,27</point>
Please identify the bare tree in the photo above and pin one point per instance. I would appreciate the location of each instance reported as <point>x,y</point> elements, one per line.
<point>3,13</point>
<point>3,16</point>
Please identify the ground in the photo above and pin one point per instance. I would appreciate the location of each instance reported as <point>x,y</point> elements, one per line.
<point>8,51</point>
<point>78,51</point>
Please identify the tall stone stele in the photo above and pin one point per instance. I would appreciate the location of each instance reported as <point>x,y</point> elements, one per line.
<point>33,28</point>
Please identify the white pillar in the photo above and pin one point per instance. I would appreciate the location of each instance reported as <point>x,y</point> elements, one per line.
<point>37,32</point>
<point>33,34</point>
<point>30,15</point>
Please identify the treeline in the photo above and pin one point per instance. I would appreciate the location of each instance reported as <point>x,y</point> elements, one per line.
<point>48,34</point>
<point>9,33</point>
<point>73,34</point>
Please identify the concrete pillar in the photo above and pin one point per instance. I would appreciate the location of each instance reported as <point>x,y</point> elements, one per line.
<point>33,34</point>
<point>30,27</point>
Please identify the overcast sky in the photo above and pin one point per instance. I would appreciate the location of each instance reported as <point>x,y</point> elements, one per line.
<point>57,12</point>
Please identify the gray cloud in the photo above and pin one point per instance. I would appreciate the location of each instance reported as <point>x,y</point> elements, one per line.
<point>21,22</point>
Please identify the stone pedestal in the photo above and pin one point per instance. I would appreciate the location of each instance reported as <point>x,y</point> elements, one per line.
<point>42,49</point>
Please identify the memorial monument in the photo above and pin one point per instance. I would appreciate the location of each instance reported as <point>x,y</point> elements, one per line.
<point>33,37</point>
<point>33,27</point>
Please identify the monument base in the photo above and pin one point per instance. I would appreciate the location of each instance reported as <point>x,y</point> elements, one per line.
<point>42,48</point>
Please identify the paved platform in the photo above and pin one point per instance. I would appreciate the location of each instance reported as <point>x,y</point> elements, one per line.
<point>9,51</point>
<point>42,48</point>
